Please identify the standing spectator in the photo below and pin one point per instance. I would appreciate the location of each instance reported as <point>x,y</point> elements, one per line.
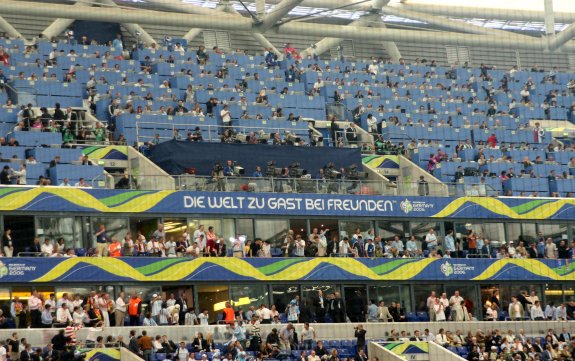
<point>35,307</point>
<point>101,241</point>
<point>516,310</point>
<point>431,240</point>
<point>550,249</point>
<point>360,335</point>
<point>134,309</point>
<point>336,308</point>
<point>307,336</point>
<point>455,305</point>
<point>145,343</point>
<point>422,186</point>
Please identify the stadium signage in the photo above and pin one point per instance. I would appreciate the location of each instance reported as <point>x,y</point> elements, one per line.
<point>287,203</point>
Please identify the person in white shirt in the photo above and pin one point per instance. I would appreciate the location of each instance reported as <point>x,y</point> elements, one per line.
<point>204,318</point>
<point>170,248</point>
<point>431,239</point>
<point>536,312</point>
<point>438,310</point>
<point>3,351</point>
<point>47,248</point>
<point>63,315</point>
<point>456,307</point>
<point>120,310</point>
<point>226,116</point>
<point>373,68</point>
<point>191,318</point>
<point>441,338</point>
<point>182,352</point>
<point>371,123</point>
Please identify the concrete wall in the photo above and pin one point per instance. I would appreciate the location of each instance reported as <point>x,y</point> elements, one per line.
<point>323,331</point>
<point>375,350</point>
<point>126,355</point>
<point>438,353</point>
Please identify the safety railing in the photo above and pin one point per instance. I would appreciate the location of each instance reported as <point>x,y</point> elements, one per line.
<point>217,133</point>
<point>320,186</point>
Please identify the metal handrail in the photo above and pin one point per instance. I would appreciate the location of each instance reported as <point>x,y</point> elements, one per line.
<point>178,126</point>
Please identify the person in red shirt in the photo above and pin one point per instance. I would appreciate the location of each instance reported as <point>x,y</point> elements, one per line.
<point>492,141</point>
<point>4,57</point>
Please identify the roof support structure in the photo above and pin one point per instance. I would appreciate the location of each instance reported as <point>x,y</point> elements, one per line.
<point>447,24</point>
<point>370,19</point>
<point>59,25</point>
<point>559,39</point>
<point>327,43</point>
<point>484,13</point>
<point>223,9</point>
<point>239,24</point>
<point>133,28</point>
<point>549,18</point>
<point>9,29</point>
<point>278,12</point>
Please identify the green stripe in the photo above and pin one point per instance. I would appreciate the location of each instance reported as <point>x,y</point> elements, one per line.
<point>526,207</point>
<point>388,266</point>
<point>121,198</point>
<point>157,266</point>
<point>277,266</point>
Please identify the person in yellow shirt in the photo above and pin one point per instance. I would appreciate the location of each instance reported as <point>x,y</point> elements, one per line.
<point>115,248</point>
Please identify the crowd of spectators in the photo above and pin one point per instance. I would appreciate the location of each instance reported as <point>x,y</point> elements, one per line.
<point>238,333</point>
<point>206,242</point>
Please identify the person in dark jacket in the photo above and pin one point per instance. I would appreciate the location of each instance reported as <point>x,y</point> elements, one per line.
<point>360,335</point>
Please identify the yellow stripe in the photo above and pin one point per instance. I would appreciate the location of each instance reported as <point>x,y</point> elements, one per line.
<point>496,206</point>
<point>533,266</point>
<point>237,266</point>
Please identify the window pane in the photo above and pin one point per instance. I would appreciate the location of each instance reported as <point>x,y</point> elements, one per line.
<point>494,232</point>
<point>5,301</point>
<point>468,292</point>
<point>349,228</point>
<point>194,224</point>
<point>406,298</point>
<point>421,292</point>
<point>555,293</point>
<point>115,227</point>
<point>245,227</point>
<point>282,295</point>
<point>420,229</point>
<point>528,231</point>
<point>22,231</point>
<point>387,230</point>
<point>59,227</point>
<point>513,231</point>
<point>174,228</point>
<point>555,231</point>
<point>146,226</point>
<point>387,294</point>
<point>249,295</point>
<point>274,231</point>
<point>212,298</point>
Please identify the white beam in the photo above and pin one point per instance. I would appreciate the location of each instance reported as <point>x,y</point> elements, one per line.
<point>390,47</point>
<point>179,6</point>
<point>260,8</point>
<point>559,39</point>
<point>9,29</point>
<point>193,32</point>
<point>58,26</point>
<point>327,43</point>
<point>234,23</point>
<point>132,28</point>
<point>278,12</point>
<point>446,24</point>
<point>549,18</point>
<point>484,12</point>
